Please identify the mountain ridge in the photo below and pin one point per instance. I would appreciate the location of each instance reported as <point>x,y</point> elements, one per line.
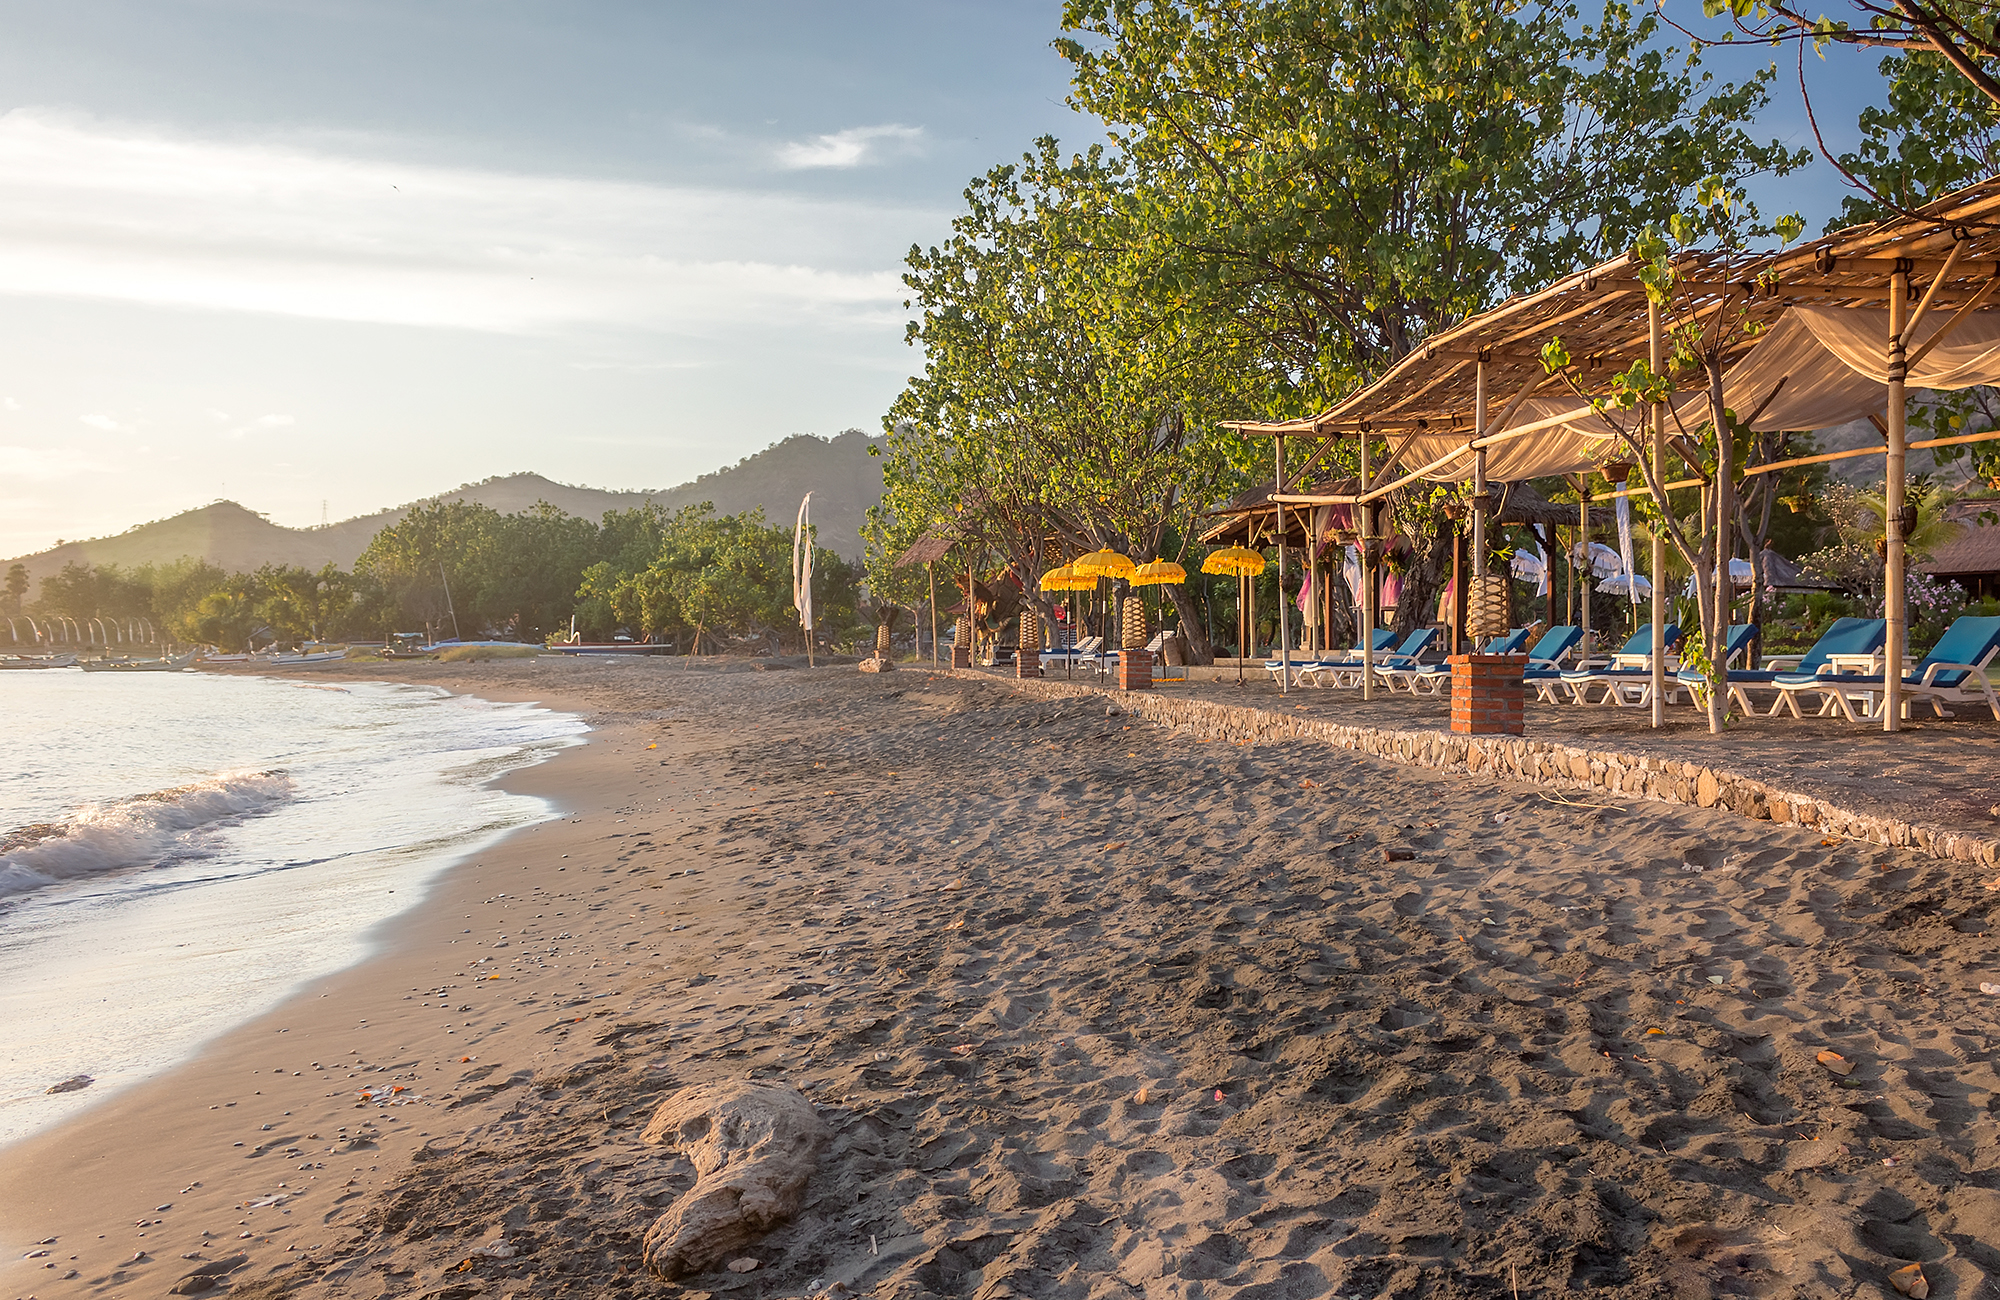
<point>843,478</point>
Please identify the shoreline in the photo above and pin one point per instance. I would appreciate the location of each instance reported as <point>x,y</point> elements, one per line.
<point>1093,1007</point>
<point>76,1165</point>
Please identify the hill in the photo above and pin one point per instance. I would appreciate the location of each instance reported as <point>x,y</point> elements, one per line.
<point>843,478</point>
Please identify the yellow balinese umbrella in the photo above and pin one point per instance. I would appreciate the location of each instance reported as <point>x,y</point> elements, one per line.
<point>1238,562</point>
<point>1066,578</point>
<point>1106,563</point>
<point>1234,561</point>
<point>1158,572</point>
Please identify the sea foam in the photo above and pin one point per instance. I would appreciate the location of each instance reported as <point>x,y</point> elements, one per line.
<point>140,831</point>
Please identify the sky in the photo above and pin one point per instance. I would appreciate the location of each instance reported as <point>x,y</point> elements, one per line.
<point>327,256</point>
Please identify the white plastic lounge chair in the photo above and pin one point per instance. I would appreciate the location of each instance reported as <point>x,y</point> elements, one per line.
<point>1303,668</point>
<point>1791,675</point>
<point>1955,669</point>
<point>1431,679</point>
<point>1627,680</point>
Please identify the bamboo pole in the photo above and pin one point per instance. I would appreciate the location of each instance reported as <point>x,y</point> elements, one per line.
<point>1479,479</point>
<point>1367,588</point>
<point>1656,349</point>
<point>1584,570</point>
<point>1284,623</point>
<point>1893,610</point>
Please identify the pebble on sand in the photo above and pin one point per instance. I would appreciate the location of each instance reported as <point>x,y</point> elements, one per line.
<point>75,1083</point>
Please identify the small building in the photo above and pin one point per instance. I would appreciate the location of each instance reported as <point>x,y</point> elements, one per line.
<point>1972,559</point>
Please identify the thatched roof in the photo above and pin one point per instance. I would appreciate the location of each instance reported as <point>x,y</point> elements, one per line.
<point>1975,551</point>
<point>1250,517</point>
<point>1601,315</point>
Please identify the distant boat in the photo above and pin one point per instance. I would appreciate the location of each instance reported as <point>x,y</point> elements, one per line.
<point>36,661</point>
<point>173,665</point>
<point>309,657</point>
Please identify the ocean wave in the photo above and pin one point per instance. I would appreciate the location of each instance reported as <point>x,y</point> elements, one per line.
<point>141,831</point>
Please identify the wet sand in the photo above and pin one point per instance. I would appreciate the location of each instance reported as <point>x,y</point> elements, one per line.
<point>1092,1010</point>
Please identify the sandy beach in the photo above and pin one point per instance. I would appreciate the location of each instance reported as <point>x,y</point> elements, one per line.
<point>1093,1009</point>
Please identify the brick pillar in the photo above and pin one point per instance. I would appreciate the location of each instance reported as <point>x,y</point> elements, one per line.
<point>1135,670</point>
<point>1487,694</point>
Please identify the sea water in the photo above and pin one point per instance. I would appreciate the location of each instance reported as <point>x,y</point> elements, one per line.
<point>178,852</point>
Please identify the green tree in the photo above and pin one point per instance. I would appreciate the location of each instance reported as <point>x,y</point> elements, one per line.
<point>16,590</point>
<point>1344,178</point>
<point>229,614</point>
<point>707,578</point>
<point>1702,345</point>
<point>178,588</point>
<point>435,549</point>
<point>299,604</point>
<point>1064,405</point>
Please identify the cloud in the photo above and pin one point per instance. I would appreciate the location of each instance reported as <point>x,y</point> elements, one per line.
<point>850,148</point>
<point>262,424</point>
<point>106,423</point>
<point>143,216</point>
<point>640,367</point>
<point>44,464</point>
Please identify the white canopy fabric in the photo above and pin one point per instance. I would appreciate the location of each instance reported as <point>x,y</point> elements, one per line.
<point>1818,367</point>
<point>1822,366</point>
<point>1573,438</point>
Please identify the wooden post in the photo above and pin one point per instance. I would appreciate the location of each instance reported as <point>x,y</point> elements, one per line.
<point>1584,568</point>
<point>1656,357</point>
<point>1284,606</point>
<point>1458,602</point>
<point>1367,592</point>
<point>1893,594</point>
<point>1479,471</point>
<point>932,567</point>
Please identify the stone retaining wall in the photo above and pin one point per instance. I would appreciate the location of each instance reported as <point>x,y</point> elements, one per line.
<point>1539,761</point>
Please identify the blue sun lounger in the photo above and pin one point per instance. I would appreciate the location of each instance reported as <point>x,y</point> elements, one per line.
<point>1845,637</point>
<point>1627,680</point>
<point>1383,639</point>
<point>1544,671</point>
<point>1955,669</point>
<point>1431,679</point>
<point>1403,658</point>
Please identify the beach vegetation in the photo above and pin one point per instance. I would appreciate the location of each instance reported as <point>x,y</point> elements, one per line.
<point>709,583</point>
<point>1293,196</point>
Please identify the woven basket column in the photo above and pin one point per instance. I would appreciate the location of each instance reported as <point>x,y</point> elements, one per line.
<point>1135,624</point>
<point>1486,606</point>
<point>882,641</point>
<point>1028,644</point>
<point>1135,663</point>
<point>961,645</point>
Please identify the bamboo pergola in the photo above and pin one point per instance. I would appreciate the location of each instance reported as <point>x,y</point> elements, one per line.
<point>1944,261</point>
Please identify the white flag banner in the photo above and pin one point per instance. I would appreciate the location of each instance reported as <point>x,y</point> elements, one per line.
<point>802,565</point>
<point>1625,546</point>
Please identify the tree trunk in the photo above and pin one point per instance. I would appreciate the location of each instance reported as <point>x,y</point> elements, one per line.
<point>1715,619</point>
<point>1423,581</point>
<point>1192,628</point>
